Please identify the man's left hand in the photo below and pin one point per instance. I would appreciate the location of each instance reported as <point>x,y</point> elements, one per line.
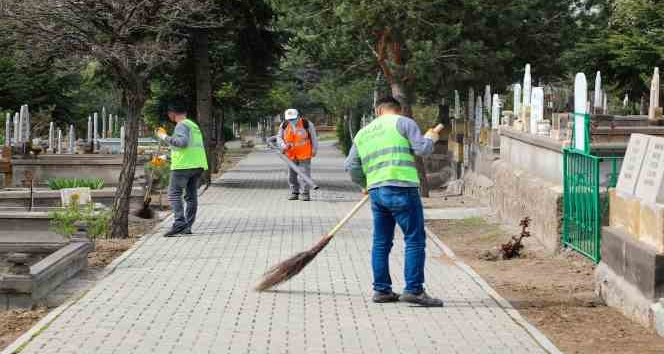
<point>431,134</point>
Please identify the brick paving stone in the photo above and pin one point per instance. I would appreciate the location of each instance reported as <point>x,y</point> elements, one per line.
<point>195,294</point>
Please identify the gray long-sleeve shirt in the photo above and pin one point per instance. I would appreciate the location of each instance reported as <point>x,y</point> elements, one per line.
<point>419,145</point>
<point>180,136</point>
<point>312,135</point>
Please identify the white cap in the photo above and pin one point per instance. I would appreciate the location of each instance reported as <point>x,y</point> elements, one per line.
<point>291,114</point>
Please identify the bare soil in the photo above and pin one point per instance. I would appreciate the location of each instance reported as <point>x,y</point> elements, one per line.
<point>554,292</point>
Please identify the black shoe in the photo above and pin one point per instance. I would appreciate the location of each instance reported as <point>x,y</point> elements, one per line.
<point>305,197</point>
<point>380,297</point>
<point>174,232</point>
<point>422,299</point>
<point>187,232</point>
<point>294,196</point>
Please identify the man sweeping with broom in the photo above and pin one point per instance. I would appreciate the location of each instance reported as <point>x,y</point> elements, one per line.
<point>188,161</point>
<point>382,161</point>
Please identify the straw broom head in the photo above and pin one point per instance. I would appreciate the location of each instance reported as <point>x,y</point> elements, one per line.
<point>291,267</point>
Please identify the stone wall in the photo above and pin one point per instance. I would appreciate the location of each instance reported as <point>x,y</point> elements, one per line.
<point>515,194</point>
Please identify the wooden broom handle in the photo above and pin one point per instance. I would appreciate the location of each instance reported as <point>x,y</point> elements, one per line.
<point>350,215</point>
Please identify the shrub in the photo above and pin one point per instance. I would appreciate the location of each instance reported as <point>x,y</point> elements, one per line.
<point>62,183</point>
<point>97,222</point>
<point>160,170</point>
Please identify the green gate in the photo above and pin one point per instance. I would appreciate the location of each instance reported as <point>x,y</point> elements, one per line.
<point>585,199</point>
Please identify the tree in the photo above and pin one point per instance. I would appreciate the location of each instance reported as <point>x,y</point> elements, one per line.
<point>130,39</point>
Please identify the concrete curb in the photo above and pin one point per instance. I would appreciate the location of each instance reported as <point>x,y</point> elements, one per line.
<point>538,336</point>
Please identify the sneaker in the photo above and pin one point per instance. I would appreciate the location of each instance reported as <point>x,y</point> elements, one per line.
<point>422,299</point>
<point>187,232</point>
<point>305,197</point>
<point>174,232</point>
<point>380,297</point>
<point>294,196</point>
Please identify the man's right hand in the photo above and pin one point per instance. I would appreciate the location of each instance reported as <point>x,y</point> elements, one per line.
<point>286,148</point>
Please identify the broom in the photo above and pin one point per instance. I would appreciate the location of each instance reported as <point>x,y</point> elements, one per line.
<point>146,211</point>
<point>289,268</point>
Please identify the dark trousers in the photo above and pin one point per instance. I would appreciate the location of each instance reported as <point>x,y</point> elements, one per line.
<point>184,181</point>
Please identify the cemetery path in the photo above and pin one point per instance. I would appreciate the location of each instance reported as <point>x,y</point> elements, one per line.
<point>195,294</point>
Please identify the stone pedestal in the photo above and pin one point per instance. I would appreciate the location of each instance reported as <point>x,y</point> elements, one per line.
<point>631,278</point>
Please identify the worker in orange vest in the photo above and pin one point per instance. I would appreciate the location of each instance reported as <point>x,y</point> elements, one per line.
<point>297,140</point>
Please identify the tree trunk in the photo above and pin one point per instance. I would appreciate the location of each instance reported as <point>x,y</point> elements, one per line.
<point>201,53</point>
<point>120,210</point>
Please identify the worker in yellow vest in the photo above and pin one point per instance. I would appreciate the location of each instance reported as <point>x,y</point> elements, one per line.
<point>382,161</point>
<point>188,162</point>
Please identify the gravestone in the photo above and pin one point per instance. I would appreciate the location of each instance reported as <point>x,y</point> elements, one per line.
<point>8,129</point>
<point>495,112</point>
<point>83,194</point>
<point>580,104</point>
<point>527,86</point>
<point>517,99</point>
<point>537,111</point>
<point>632,164</point>
<point>654,113</point>
<point>650,186</point>
<point>597,100</point>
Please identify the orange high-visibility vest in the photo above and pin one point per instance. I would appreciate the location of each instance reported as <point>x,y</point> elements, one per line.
<point>300,140</point>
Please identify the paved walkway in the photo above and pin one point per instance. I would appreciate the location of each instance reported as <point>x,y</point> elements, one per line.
<point>194,294</point>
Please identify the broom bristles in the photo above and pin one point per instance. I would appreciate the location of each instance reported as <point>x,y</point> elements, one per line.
<point>291,267</point>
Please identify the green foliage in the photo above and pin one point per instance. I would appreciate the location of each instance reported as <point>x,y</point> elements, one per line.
<point>62,183</point>
<point>343,135</point>
<point>64,221</point>
<point>161,174</point>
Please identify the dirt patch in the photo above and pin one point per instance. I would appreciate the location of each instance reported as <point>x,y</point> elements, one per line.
<point>439,199</point>
<point>107,250</point>
<point>554,293</point>
<point>13,323</point>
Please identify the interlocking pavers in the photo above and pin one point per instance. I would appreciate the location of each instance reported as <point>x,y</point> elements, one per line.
<point>195,294</point>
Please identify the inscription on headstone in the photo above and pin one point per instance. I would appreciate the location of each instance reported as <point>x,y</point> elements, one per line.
<point>651,179</point>
<point>632,164</point>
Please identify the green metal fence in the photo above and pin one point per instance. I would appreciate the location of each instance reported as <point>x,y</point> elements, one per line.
<point>586,180</point>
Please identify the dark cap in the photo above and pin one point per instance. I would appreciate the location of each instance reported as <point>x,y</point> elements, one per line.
<point>176,108</point>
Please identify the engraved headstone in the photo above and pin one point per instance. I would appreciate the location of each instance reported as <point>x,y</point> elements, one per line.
<point>632,164</point>
<point>122,139</point>
<point>17,124</point>
<point>654,95</point>
<point>626,100</point>
<point>471,104</point>
<point>25,124</point>
<point>457,105</point>
<point>59,141</point>
<point>487,104</point>
<point>95,127</point>
<point>71,140</point>
<point>479,112</point>
<point>51,137</point>
<point>650,186</point>
<point>104,127</point>
<point>81,194</point>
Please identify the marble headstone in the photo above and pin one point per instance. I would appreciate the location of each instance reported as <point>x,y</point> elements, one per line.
<point>654,95</point>
<point>580,109</point>
<point>495,112</point>
<point>517,99</point>
<point>82,194</point>
<point>650,185</point>
<point>537,110</point>
<point>527,87</point>
<point>632,164</point>
<point>598,100</point>
<point>8,129</point>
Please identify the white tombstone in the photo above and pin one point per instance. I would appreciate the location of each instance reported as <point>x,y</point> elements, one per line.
<point>527,87</point>
<point>495,112</point>
<point>59,141</point>
<point>89,140</point>
<point>122,139</point>
<point>111,129</point>
<point>51,137</point>
<point>626,101</point>
<point>580,109</point>
<point>19,139</point>
<point>654,94</point>
<point>471,104</point>
<point>537,110</point>
<point>487,103</point>
<point>95,127</point>
<point>632,164</point>
<point>598,100</point>
<point>72,139</point>
<point>83,196</point>
<point>17,124</point>
<point>457,105</point>
<point>8,130</point>
<point>517,99</point>
<point>650,185</point>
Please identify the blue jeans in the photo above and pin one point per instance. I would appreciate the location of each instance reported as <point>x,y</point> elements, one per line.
<point>403,206</point>
<point>186,180</point>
